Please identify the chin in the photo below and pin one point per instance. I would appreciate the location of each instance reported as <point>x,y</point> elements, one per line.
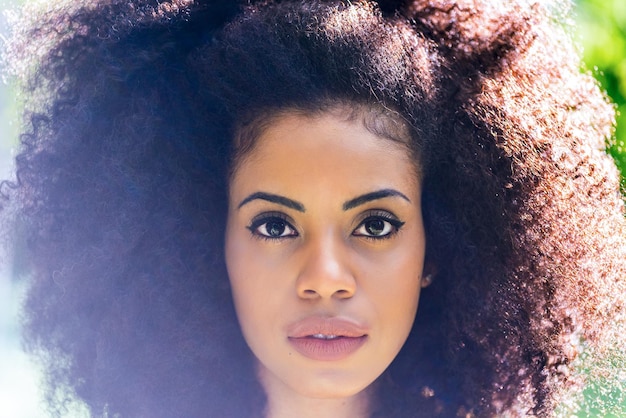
<point>331,387</point>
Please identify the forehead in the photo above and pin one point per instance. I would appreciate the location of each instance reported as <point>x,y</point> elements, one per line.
<point>316,154</point>
<point>377,120</point>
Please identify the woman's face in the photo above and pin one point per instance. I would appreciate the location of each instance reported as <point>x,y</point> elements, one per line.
<point>325,250</point>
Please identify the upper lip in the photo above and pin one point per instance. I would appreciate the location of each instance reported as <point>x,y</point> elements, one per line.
<point>335,326</point>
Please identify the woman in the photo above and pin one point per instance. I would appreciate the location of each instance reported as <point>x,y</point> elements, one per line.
<point>234,209</point>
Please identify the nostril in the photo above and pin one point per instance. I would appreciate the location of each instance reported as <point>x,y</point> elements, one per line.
<point>343,293</point>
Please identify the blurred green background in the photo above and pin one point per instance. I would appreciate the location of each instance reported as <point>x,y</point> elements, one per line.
<point>601,32</point>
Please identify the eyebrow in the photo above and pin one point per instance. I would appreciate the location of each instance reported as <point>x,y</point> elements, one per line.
<point>274,198</point>
<point>368,197</point>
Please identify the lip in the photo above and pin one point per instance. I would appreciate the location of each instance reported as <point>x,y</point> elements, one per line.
<point>326,339</point>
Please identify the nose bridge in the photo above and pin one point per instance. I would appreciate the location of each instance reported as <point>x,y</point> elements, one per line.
<point>325,269</point>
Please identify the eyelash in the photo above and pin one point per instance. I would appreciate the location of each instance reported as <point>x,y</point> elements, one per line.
<point>266,218</point>
<point>389,221</point>
<point>379,215</point>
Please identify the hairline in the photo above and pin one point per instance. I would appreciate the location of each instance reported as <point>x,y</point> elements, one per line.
<point>376,118</point>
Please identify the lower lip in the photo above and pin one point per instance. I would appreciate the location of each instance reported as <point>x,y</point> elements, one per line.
<point>327,350</point>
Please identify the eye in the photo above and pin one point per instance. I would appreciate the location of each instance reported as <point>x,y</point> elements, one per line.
<point>272,226</point>
<point>380,225</point>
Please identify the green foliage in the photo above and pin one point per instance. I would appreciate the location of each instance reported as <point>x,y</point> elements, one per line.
<point>602,28</point>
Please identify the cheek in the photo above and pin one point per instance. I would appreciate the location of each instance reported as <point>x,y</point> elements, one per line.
<point>255,278</point>
<point>398,293</point>
<point>252,271</point>
<point>393,282</point>
<point>239,274</point>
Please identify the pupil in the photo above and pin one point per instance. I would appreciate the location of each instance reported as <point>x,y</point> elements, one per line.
<point>275,228</point>
<point>375,227</point>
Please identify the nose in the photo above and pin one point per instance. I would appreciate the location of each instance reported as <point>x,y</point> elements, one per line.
<point>325,271</point>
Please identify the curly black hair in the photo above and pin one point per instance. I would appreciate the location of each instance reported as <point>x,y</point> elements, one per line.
<point>122,186</point>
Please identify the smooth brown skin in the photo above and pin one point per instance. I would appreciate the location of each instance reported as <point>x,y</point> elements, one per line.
<point>324,263</point>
